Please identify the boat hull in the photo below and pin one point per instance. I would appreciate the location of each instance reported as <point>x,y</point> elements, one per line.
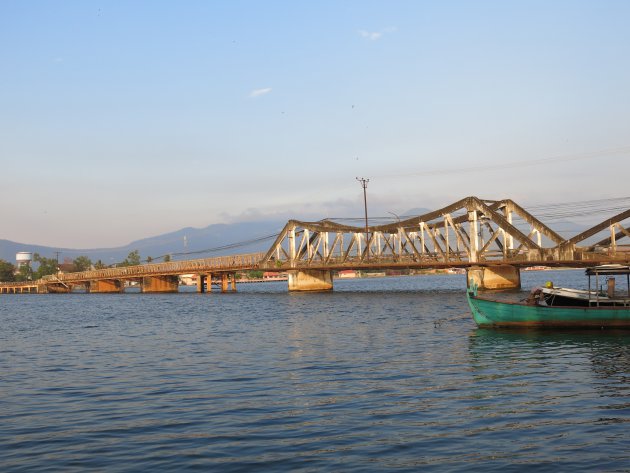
<point>489,313</point>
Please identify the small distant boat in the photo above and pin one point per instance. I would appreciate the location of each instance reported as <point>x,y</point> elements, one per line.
<point>536,268</point>
<point>560,307</point>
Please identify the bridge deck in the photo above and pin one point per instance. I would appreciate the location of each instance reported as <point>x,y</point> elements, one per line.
<point>470,232</point>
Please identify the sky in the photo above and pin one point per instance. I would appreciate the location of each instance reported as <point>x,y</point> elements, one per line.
<point>123,120</point>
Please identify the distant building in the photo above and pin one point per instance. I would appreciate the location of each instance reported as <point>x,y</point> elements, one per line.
<point>66,267</point>
<point>188,279</point>
<point>23,258</point>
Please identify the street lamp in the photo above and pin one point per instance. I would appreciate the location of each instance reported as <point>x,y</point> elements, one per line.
<point>364,183</point>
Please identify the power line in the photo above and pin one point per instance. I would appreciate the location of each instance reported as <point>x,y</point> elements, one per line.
<point>517,164</point>
<point>230,246</point>
<point>579,209</point>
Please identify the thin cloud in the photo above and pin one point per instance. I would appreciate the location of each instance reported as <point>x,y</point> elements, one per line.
<point>376,35</point>
<point>259,92</point>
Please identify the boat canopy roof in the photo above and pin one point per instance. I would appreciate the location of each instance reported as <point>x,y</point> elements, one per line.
<point>608,269</point>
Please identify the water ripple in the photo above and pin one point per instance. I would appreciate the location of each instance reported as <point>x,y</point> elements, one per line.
<point>380,374</point>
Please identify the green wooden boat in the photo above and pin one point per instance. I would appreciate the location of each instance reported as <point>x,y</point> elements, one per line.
<point>537,312</point>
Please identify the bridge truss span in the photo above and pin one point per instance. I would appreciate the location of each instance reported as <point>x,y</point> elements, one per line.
<point>471,231</point>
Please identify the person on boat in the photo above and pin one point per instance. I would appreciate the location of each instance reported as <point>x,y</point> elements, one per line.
<point>534,296</point>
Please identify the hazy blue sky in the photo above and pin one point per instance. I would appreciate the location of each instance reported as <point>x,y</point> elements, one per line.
<point>122,120</point>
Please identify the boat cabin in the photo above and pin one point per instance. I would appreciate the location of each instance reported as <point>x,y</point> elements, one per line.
<point>604,292</point>
<point>608,271</point>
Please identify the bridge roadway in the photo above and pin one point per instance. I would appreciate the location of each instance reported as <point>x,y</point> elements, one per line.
<point>492,239</point>
<point>161,277</point>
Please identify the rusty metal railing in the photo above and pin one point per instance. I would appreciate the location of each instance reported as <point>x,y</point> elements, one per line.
<point>205,265</point>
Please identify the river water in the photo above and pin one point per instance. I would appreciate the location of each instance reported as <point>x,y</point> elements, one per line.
<point>381,374</point>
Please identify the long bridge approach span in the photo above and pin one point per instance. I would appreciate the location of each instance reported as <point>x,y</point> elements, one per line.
<point>491,239</point>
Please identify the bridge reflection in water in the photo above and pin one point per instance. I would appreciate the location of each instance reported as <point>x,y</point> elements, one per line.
<point>492,239</point>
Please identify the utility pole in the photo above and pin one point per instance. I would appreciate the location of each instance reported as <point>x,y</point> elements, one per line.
<point>364,183</point>
<point>57,253</point>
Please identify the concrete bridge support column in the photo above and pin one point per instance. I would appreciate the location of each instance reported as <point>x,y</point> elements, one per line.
<point>201,278</point>
<point>160,284</point>
<point>495,277</point>
<point>233,281</point>
<point>106,286</point>
<point>310,280</point>
<point>224,282</point>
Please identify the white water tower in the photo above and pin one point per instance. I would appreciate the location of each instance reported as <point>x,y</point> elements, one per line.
<point>24,258</point>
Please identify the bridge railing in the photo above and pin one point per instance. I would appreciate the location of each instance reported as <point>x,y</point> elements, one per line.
<point>216,264</point>
<point>427,259</point>
<point>18,284</point>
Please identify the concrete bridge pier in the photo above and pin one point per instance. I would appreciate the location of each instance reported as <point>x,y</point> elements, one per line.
<point>495,277</point>
<point>310,280</point>
<point>160,284</point>
<point>105,286</point>
<point>228,282</point>
<point>204,280</point>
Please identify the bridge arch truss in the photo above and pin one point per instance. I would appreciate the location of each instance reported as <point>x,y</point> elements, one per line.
<point>468,232</point>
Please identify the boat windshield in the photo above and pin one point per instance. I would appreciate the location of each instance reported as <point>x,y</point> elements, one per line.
<point>606,287</point>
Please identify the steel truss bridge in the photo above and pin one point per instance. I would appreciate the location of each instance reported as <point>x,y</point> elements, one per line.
<point>471,232</point>
<point>468,232</point>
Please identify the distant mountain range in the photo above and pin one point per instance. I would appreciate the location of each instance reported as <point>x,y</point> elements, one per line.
<point>187,243</point>
<point>193,243</point>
